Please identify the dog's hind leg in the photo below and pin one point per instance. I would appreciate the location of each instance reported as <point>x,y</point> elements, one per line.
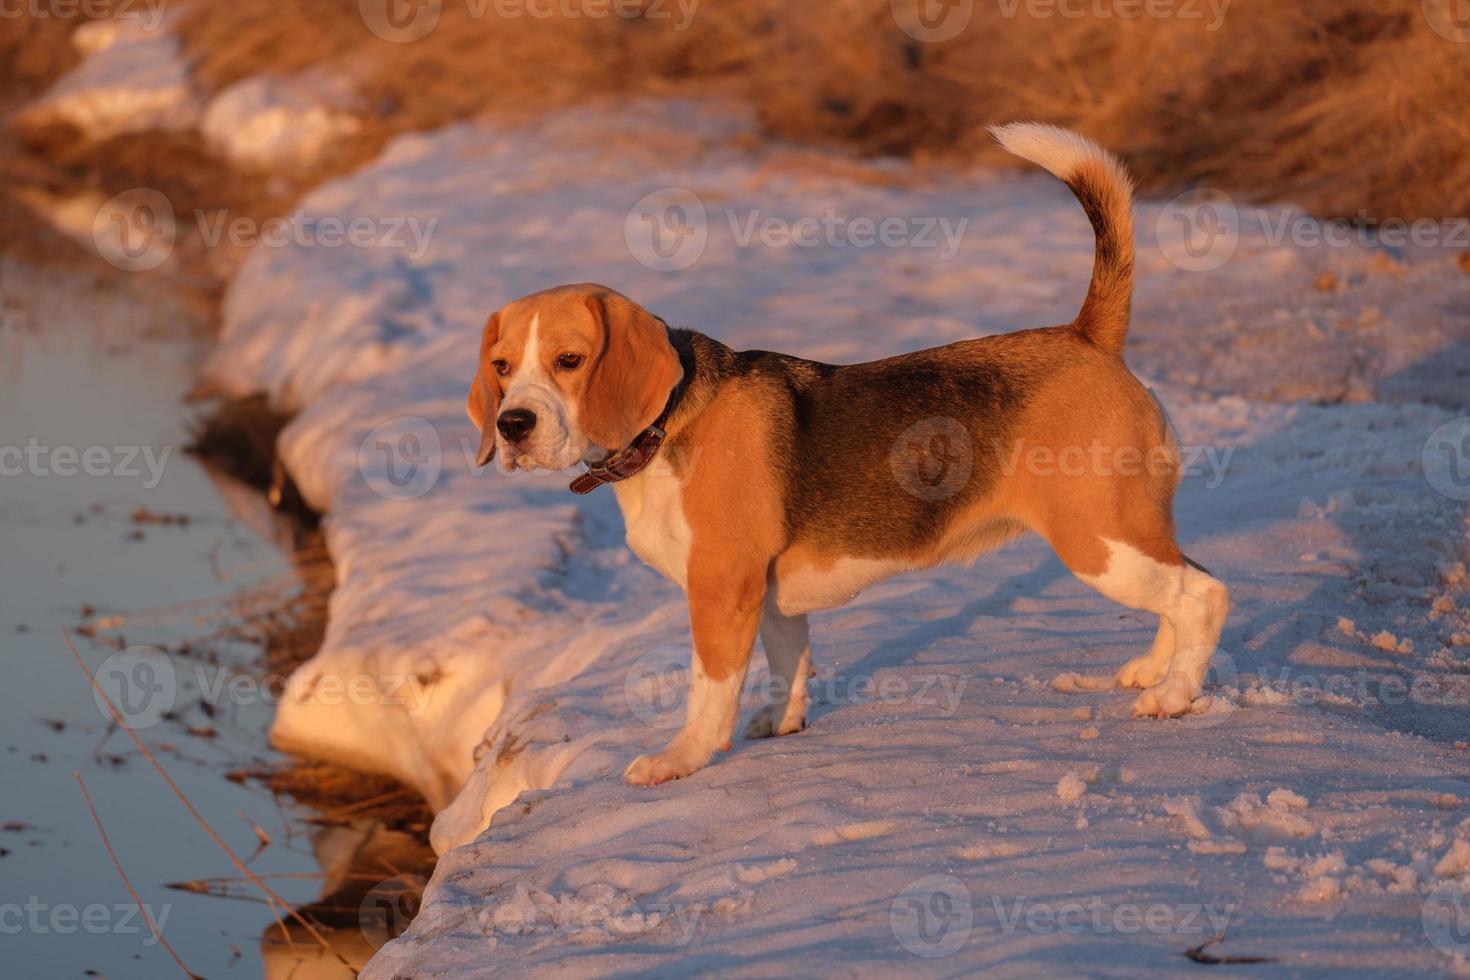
<point>788,650</point>
<point>1191,604</point>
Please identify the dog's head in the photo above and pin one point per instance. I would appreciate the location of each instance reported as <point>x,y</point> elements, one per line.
<point>568,371</point>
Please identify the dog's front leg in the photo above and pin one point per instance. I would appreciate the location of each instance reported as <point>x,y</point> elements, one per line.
<point>724,614</point>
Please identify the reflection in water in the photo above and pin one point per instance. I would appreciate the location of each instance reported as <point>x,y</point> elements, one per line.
<point>373,879</point>
<point>109,529</point>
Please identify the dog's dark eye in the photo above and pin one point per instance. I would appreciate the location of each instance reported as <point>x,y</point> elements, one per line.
<point>502,368</point>
<point>569,362</point>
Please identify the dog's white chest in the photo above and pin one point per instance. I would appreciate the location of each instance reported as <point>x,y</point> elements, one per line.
<point>657,530</point>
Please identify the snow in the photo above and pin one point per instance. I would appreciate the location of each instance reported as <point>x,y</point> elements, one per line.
<point>284,123</point>
<point>1071,787</point>
<point>132,78</point>
<point>969,787</point>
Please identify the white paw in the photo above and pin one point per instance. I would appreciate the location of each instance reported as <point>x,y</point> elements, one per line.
<point>1169,698</point>
<point>1144,670</point>
<point>671,763</point>
<point>773,720</point>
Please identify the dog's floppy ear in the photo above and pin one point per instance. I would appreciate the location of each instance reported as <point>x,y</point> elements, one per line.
<point>484,403</point>
<point>634,372</point>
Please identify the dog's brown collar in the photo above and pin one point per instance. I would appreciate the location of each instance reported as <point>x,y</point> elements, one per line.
<point>631,460</point>
<point>625,462</point>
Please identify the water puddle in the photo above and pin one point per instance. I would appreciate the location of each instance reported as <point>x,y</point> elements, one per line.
<point>173,579</point>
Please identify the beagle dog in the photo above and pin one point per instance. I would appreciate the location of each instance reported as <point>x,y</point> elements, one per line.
<point>769,486</point>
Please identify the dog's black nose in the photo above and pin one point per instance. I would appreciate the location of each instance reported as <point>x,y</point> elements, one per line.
<point>516,423</point>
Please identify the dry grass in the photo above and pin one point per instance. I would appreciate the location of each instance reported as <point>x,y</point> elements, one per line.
<point>1348,107</point>
<point>1342,105</point>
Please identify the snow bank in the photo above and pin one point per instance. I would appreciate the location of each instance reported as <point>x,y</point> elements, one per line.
<point>284,123</point>
<point>132,78</point>
<point>508,641</point>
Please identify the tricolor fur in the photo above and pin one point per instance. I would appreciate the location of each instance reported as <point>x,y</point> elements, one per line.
<point>786,486</point>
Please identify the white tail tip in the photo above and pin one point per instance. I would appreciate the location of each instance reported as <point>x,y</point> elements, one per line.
<point>1052,148</point>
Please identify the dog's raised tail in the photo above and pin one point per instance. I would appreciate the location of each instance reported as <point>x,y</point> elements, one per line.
<point>1106,193</point>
